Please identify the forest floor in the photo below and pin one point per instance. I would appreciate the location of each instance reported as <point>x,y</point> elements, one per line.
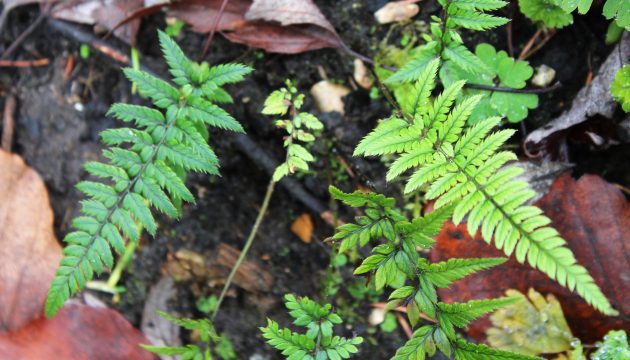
<point>60,115</point>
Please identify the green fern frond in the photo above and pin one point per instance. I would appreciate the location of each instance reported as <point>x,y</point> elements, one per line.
<point>464,169</point>
<point>444,273</point>
<point>469,351</point>
<point>461,314</point>
<point>144,167</point>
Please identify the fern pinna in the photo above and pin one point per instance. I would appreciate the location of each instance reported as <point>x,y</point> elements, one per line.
<point>396,263</point>
<point>462,166</point>
<point>146,164</point>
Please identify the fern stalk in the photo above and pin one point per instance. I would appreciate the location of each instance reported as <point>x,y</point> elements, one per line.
<point>246,247</point>
<point>285,101</point>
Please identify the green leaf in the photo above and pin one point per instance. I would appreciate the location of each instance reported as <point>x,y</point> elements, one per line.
<point>474,20</point>
<point>548,12</point>
<point>620,88</point>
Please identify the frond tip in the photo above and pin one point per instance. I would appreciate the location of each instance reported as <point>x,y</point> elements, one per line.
<point>146,166</point>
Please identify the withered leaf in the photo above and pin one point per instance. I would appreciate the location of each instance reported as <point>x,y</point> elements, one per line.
<point>29,251</point>
<point>76,332</point>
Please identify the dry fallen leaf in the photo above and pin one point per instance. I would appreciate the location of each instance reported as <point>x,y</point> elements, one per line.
<point>303,227</point>
<point>29,255</point>
<point>201,14</point>
<point>104,13</point>
<point>594,217</point>
<point>77,332</point>
<point>187,265</point>
<point>29,251</point>
<point>328,96</point>
<point>281,26</point>
<point>397,11</point>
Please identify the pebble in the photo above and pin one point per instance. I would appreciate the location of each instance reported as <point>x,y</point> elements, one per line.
<point>396,11</point>
<point>544,76</point>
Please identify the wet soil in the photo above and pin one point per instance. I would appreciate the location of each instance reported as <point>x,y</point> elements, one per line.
<point>58,121</point>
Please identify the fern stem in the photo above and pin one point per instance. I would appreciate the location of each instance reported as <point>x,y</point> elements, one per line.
<point>248,244</point>
<point>122,264</point>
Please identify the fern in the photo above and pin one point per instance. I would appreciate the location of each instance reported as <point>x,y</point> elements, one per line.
<point>463,168</point>
<point>207,334</point>
<point>397,264</point>
<point>146,165</point>
<point>318,342</point>
<point>486,67</point>
<point>287,101</point>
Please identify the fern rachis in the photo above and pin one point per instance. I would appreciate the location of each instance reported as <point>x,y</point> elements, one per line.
<point>150,171</point>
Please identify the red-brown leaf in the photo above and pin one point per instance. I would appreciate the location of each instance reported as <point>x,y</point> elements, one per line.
<point>29,251</point>
<point>281,26</point>
<point>594,217</point>
<point>76,332</point>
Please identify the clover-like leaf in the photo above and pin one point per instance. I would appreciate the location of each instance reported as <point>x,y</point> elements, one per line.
<point>548,12</point>
<point>620,88</point>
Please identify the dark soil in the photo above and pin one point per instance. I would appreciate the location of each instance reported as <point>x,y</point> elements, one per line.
<point>58,122</point>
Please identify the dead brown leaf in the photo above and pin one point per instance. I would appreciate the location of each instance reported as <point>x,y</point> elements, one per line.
<point>29,251</point>
<point>188,265</point>
<point>77,332</point>
<point>281,26</point>
<point>103,13</point>
<point>302,226</point>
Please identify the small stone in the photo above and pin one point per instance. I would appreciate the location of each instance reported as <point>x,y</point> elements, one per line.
<point>376,317</point>
<point>328,96</point>
<point>362,75</point>
<point>544,76</point>
<point>396,11</point>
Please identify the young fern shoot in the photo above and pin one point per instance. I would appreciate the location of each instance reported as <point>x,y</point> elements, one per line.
<point>147,164</point>
<point>319,342</point>
<point>282,102</point>
<point>463,167</point>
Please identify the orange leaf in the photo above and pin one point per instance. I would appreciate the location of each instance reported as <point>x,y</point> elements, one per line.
<point>303,227</point>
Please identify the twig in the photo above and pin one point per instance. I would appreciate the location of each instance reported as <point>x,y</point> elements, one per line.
<point>8,121</point>
<point>542,43</point>
<point>551,88</point>
<point>24,63</point>
<point>530,43</point>
<point>26,33</point>
<point>206,47</point>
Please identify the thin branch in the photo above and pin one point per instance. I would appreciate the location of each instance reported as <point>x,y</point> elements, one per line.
<point>551,88</point>
<point>206,47</point>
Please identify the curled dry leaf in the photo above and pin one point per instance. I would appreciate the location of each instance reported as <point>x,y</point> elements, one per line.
<point>76,332</point>
<point>593,99</point>
<point>328,96</point>
<point>594,217</point>
<point>201,14</point>
<point>29,251</point>
<point>281,26</point>
<point>303,227</point>
<point>104,13</point>
<point>397,11</point>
